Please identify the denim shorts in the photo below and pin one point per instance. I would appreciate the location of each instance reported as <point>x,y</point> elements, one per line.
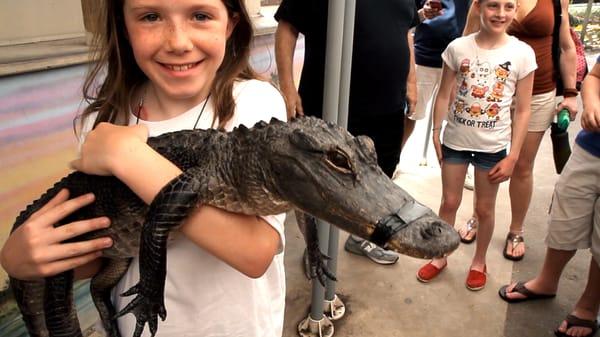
<point>481,160</point>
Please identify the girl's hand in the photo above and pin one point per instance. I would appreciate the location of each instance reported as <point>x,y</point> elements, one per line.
<point>437,144</point>
<point>502,171</point>
<point>107,145</point>
<point>293,103</point>
<point>590,119</point>
<point>35,249</point>
<point>570,103</point>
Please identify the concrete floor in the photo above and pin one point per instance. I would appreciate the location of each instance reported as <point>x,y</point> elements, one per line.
<point>388,301</point>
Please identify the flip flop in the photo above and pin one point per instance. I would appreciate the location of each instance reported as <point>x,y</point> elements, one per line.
<point>514,240</point>
<point>573,320</point>
<point>471,228</point>
<point>521,289</point>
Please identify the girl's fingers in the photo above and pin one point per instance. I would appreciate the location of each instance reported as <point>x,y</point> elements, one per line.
<point>77,228</point>
<point>74,250</point>
<point>62,210</point>
<point>60,266</point>
<point>60,197</point>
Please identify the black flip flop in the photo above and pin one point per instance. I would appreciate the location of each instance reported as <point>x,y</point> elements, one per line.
<point>573,320</point>
<point>521,289</point>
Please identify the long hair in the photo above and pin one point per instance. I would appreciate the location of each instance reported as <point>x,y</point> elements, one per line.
<point>115,75</point>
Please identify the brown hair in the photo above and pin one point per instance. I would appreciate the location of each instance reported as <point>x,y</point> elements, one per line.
<point>115,61</point>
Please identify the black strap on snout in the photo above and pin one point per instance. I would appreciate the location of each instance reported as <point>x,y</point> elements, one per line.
<point>393,223</point>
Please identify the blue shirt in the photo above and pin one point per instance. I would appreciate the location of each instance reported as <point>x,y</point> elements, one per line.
<point>433,36</point>
<point>590,141</point>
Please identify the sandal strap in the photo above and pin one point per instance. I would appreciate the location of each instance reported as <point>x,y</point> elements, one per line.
<point>515,238</point>
<point>521,289</point>
<point>573,320</point>
<point>472,224</point>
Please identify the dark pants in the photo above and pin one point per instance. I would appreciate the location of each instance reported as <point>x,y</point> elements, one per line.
<point>386,130</point>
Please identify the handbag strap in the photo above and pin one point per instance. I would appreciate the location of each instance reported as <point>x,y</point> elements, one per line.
<point>555,37</point>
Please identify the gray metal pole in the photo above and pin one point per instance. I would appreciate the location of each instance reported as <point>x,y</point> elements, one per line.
<point>333,57</point>
<point>342,120</point>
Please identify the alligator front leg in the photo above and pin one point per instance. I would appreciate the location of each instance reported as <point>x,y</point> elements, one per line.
<point>167,210</point>
<point>100,288</point>
<point>316,259</point>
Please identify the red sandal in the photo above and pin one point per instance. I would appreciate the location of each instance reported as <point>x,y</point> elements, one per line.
<point>476,280</point>
<point>428,272</point>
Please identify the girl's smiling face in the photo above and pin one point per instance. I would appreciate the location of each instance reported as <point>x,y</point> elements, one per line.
<point>179,45</point>
<point>496,15</point>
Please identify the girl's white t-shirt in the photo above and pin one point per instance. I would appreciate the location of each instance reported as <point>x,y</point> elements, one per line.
<point>203,295</point>
<point>480,118</point>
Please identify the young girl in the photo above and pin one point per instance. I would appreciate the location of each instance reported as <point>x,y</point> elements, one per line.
<point>171,66</point>
<point>488,68</point>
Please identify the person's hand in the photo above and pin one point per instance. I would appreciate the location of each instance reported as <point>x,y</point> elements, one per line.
<point>106,145</point>
<point>35,249</point>
<point>570,103</point>
<point>437,144</point>
<point>502,171</point>
<point>590,118</point>
<point>293,103</point>
<point>431,9</point>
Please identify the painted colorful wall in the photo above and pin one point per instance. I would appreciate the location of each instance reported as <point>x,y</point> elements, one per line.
<point>37,142</point>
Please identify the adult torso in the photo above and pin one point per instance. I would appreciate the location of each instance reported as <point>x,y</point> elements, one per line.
<point>534,24</point>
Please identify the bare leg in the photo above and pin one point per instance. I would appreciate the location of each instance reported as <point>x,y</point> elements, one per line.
<point>546,282</point>
<point>409,127</point>
<point>588,304</point>
<point>453,176</point>
<point>521,187</point>
<point>485,210</point>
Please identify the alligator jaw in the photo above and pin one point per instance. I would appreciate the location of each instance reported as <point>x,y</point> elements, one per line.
<point>425,237</point>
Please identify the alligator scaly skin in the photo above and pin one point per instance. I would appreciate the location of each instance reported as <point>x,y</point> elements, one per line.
<point>308,165</point>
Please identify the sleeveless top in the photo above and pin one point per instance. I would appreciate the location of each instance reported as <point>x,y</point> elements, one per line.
<point>535,29</point>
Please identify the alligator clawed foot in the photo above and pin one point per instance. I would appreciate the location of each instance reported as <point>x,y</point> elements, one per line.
<point>318,267</point>
<point>145,309</point>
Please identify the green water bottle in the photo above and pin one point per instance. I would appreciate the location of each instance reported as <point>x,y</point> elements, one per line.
<point>563,119</point>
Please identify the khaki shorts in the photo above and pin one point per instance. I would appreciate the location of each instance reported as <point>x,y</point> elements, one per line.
<point>428,81</point>
<point>543,110</point>
<point>575,212</point>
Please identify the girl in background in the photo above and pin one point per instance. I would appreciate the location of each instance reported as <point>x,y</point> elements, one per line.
<point>487,68</point>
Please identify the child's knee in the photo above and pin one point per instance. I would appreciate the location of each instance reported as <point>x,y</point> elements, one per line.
<point>450,203</point>
<point>484,212</point>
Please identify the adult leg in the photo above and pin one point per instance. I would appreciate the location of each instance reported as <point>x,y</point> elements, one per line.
<point>546,282</point>
<point>588,304</point>
<point>521,188</point>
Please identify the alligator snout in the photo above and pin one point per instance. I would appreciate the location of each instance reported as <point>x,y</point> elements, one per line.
<point>425,237</point>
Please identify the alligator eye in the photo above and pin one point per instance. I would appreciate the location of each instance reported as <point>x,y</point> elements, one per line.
<point>339,161</point>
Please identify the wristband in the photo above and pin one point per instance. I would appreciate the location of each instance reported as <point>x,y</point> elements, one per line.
<point>570,92</point>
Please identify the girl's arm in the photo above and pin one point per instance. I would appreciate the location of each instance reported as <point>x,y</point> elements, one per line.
<point>472,23</point>
<point>590,94</point>
<point>247,243</point>
<point>440,109</point>
<point>568,61</point>
<point>503,170</point>
<point>35,249</point>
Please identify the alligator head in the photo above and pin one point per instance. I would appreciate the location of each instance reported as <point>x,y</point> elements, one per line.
<point>323,170</point>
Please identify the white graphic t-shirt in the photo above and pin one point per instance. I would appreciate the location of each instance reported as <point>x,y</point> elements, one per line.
<point>479,118</point>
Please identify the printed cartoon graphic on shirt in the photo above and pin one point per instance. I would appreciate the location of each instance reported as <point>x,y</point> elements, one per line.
<point>480,93</point>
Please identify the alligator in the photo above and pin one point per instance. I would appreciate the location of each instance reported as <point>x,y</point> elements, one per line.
<point>313,167</point>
